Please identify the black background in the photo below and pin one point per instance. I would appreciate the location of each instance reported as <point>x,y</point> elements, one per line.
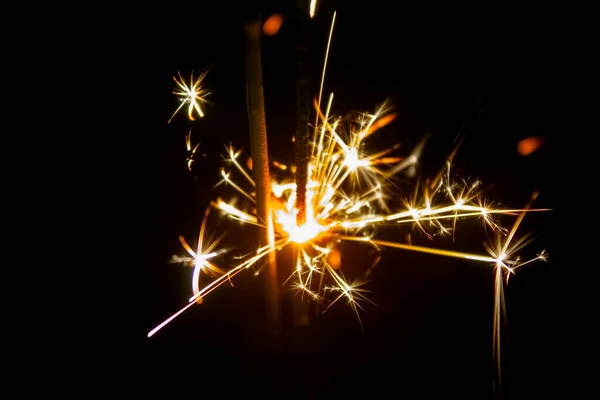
<point>489,73</point>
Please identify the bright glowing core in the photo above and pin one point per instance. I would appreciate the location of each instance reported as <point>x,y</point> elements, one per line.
<point>304,233</point>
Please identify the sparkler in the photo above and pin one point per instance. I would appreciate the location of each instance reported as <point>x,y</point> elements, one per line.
<point>349,198</point>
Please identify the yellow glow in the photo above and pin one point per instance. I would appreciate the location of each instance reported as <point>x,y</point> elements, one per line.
<point>192,94</point>
<point>304,233</point>
<point>313,6</point>
<point>348,190</point>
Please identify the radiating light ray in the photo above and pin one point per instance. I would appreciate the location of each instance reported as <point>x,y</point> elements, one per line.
<point>350,197</point>
<point>227,181</point>
<point>234,212</point>
<point>502,251</point>
<point>312,8</point>
<point>200,258</point>
<point>420,249</point>
<point>262,252</point>
<point>324,69</point>
<point>192,94</point>
<point>188,145</point>
<point>233,155</point>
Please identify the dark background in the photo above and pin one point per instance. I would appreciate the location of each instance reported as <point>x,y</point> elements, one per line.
<point>487,74</point>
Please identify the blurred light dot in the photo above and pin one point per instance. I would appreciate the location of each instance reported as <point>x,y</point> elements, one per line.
<point>334,259</point>
<point>529,145</point>
<point>272,24</point>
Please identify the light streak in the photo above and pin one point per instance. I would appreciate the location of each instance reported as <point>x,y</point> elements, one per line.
<point>192,94</point>
<point>312,8</point>
<point>348,191</point>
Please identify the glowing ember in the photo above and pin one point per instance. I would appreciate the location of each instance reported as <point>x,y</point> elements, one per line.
<point>348,191</point>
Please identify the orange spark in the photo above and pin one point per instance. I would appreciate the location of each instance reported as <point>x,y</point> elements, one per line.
<point>334,259</point>
<point>380,123</point>
<point>529,145</point>
<point>272,24</point>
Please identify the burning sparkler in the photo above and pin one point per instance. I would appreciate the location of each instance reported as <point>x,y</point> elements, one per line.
<point>348,198</point>
<point>338,209</point>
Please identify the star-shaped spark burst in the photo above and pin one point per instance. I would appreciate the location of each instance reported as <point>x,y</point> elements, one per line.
<point>350,197</point>
<point>201,256</point>
<point>192,94</point>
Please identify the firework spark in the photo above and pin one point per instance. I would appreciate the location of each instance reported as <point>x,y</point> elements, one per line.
<point>349,197</point>
<point>191,151</point>
<point>192,94</point>
<point>312,7</point>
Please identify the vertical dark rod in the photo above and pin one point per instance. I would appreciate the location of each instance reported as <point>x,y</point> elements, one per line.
<point>302,109</point>
<point>303,89</point>
<point>260,165</point>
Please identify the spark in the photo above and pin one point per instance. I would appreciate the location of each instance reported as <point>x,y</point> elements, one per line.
<point>200,258</point>
<point>338,209</point>
<point>192,94</point>
<point>313,6</point>
<point>191,151</point>
<point>350,197</point>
